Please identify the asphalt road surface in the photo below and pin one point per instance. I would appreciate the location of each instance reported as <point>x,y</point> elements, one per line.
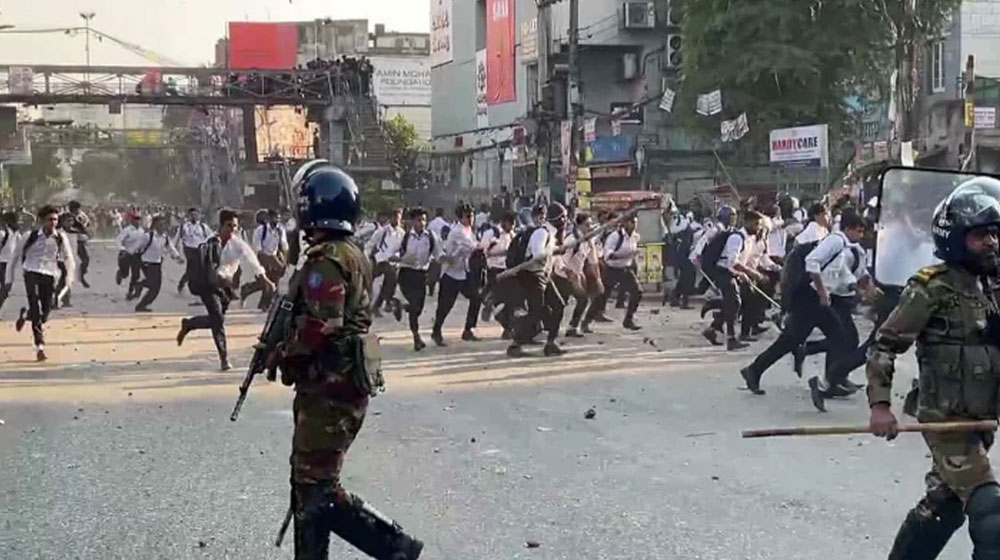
<point>121,446</point>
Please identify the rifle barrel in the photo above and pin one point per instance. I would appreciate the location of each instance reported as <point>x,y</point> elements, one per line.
<point>932,427</point>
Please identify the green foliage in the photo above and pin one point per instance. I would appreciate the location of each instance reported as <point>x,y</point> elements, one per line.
<point>403,144</point>
<point>135,176</point>
<point>794,62</point>
<point>38,181</point>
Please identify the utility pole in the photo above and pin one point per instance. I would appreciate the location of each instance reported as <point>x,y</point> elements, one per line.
<point>575,108</point>
<point>543,132</point>
<point>87,16</point>
<point>970,113</point>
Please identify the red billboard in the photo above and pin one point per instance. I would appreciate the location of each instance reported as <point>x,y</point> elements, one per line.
<point>500,44</point>
<point>263,46</point>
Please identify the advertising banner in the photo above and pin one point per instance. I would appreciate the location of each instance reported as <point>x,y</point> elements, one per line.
<point>804,146</point>
<point>566,143</point>
<point>529,41</point>
<point>442,33</point>
<point>401,81</point>
<point>20,80</point>
<point>500,55</point>
<point>263,46</point>
<point>482,107</point>
<point>986,117</point>
<point>282,131</point>
<point>610,149</point>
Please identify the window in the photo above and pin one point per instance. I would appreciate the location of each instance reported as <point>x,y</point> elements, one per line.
<point>937,66</point>
<point>531,82</point>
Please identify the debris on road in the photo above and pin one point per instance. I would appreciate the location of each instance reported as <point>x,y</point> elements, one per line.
<point>1,422</point>
<point>700,434</point>
<point>202,544</point>
<point>590,414</point>
<point>542,429</point>
<point>532,544</point>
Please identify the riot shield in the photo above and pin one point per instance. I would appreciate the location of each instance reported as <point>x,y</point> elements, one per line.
<point>907,201</point>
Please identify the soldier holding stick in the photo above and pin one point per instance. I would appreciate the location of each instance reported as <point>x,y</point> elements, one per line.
<point>950,311</point>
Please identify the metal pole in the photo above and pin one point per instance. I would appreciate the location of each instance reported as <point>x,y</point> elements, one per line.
<point>543,132</point>
<point>575,108</point>
<point>87,16</point>
<point>970,113</point>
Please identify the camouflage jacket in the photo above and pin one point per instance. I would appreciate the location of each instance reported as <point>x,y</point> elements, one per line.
<point>334,285</point>
<point>946,310</point>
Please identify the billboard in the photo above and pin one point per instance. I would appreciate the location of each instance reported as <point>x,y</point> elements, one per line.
<point>803,146</point>
<point>482,107</point>
<point>500,55</point>
<point>402,81</point>
<point>283,131</point>
<point>20,80</point>
<point>263,46</point>
<point>442,33</point>
<point>529,41</point>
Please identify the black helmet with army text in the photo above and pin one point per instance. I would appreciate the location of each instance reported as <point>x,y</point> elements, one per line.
<point>329,198</point>
<point>972,204</point>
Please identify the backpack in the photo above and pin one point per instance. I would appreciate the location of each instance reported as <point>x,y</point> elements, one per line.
<point>33,237</point>
<point>406,243</point>
<point>203,275</point>
<point>620,242</point>
<point>518,251</point>
<point>713,251</point>
<point>794,277</point>
<point>488,227</point>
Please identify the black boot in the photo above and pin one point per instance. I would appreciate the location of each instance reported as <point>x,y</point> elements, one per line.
<point>925,532</point>
<point>370,531</point>
<point>312,528</point>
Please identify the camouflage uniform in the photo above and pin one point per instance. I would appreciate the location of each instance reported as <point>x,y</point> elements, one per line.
<point>329,408</point>
<point>944,309</point>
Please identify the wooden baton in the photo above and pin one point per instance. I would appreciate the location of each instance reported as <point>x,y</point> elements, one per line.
<point>932,427</point>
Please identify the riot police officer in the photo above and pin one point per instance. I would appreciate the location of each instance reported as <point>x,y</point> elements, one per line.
<point>332,359</point>
<point>949,311</point>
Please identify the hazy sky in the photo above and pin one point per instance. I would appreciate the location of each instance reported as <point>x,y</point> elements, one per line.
<point>183,30</point>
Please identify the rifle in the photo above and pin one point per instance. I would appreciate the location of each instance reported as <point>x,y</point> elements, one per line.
<point>279,320</point>
<point>934,427</point>
<point>565,248</point>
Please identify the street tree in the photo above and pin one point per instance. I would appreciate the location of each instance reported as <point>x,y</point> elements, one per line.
<point>36,182</point>
<point>794,62</point>
<point>403,144</point>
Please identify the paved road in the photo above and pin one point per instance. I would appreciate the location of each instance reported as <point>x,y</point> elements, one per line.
<point>121,447</point>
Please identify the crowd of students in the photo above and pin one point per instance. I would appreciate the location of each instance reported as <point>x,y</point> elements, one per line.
<point>350,75</point>
<point>818,258</point>
<point>802,268</point>
<point>559,258</point>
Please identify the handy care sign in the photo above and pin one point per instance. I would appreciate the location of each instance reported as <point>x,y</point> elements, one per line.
<point>803,146</point>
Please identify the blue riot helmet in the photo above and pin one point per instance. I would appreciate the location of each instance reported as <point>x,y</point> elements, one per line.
<point>329,198</point>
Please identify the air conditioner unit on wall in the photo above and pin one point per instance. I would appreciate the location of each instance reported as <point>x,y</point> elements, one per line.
<point>640,15</point>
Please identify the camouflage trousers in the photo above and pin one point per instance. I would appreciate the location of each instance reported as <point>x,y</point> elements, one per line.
<point>325,427</point>
<point>961,464</point>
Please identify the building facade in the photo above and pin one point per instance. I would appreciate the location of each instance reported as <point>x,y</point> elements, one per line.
<point>942,128</point>
<point>482,142</point>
